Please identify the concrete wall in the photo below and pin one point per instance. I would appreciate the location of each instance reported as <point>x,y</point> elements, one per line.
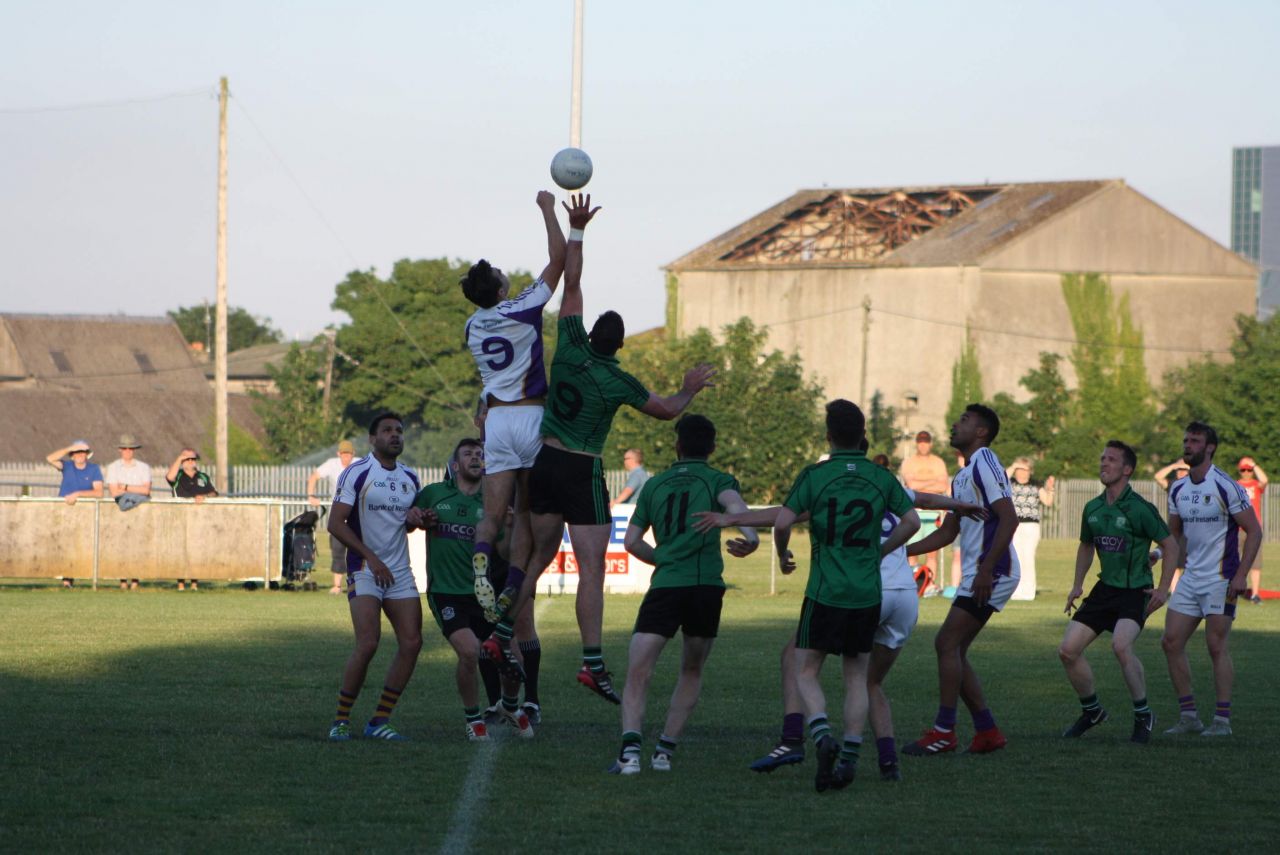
<point>158,540</point>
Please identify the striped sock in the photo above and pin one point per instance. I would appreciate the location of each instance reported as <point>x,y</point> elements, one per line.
<point>345,703</point>
<point>1141,710</point>
<point>1222,710</point>
<point>945,720</point>
<point>593,658</point>
<point>1090,706</point>
<point>473,715</point>
<point>630,745</point>
<point>887,750</point>
<point>386,704</point>
<point>532,651</point>
<point>984,720</point>
<point>849,751</point>
<point>504,630</point>
<point>510,703</point>
<point>1187,705</point>
<point>819,728</point>
<point>666,745</point>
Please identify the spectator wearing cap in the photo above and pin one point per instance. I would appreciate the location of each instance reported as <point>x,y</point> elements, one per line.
<point>1254,482</point>
<point>633,462</point>
<point>129,481</point>
<point>81,479</point>
<point>926,472</point>
<point>330,471</point>
<point>188,482</point>
<point>1029,499</point>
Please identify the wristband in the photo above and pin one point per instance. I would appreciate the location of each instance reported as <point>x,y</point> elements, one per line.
<point>576,234</point>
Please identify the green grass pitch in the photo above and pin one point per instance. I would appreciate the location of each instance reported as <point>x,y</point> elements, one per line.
<point>159,721</point>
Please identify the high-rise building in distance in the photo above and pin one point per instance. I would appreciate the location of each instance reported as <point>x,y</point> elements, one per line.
<point>1255,217</point>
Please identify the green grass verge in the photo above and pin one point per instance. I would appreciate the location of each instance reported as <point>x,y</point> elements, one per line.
<point>158,720</point>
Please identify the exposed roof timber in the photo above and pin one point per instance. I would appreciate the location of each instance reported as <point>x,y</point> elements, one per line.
<point>852,226</point>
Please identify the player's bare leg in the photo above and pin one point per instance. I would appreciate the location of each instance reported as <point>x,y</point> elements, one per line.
<point>790,747</point>
<point>1177,631</point>
<point>366,620</point>
<point>1217,631</point>
<point>1123,638</point>
<point>688,688</point>
<point>467,648</point>
<point>856,704</point>
<point>498,489</point>
<point>521,552</point>
<point>589,545</point>
<point>1075,639</point>
<point>881,715</point>
<point>808,666</point>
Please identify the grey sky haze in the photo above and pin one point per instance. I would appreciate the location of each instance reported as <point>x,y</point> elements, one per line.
<point>425,129</point>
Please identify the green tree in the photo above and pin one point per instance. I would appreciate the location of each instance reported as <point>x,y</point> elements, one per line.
<point>294,416</point>
<point>882,433</point>
<point>243,329</point>
<point>1031,429</point>
<point>1240,398</point>
<point>966,380</point>
<point>1113,398</point>
<point>766,410</point>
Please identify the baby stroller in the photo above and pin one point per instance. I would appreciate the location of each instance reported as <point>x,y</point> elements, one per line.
<point>299,552</point>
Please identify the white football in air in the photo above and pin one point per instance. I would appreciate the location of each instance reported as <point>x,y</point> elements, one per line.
<point>571,168</point>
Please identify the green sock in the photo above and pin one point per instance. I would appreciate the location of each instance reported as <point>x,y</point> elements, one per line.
<point>1090,705</point>
<point>473,715</point>
<point>630,745</point>
<point>819,728</point>
<point>849,751</point>
<point>1140,709</point>
<point>666,745</point>
<point>593,658</point>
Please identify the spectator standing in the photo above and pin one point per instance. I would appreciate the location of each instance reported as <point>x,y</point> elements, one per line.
<point>188,482</point>
<point>1029,498</point>
<point>330,470</point>
<point>1254,482</point>
<point>633,462</point>
<point>80,479</point>
<point>129,481</point>
<point>926,472</point>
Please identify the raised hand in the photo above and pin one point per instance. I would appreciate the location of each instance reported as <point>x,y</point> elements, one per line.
<point>546,200</point>
<point>580,210</point>
<point>698,378</point>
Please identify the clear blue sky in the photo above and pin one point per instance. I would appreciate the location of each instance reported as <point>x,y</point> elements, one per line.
<point>425,129</point>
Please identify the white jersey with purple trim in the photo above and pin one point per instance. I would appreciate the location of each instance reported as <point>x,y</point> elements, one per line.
<point>1207,509</point>
<point>379,499</point>
<point>506,341</point>
<point>983,482</point>
<point>895,570</point>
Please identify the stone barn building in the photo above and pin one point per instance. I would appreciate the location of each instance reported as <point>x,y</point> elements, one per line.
<point>875,288</point>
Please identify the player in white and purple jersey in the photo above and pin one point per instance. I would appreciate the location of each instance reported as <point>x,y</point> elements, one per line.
<point>505,337</point>
<point>988,579</point>
<point>1210,508</point>
<point>372,514</point>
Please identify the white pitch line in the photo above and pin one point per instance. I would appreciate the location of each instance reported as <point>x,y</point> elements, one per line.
<point>475,789</point>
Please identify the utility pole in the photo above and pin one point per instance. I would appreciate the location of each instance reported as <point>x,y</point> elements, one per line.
<point>575,101</point>
<point>331,334</point>
<point>220,328</point>
<point>866,334</point>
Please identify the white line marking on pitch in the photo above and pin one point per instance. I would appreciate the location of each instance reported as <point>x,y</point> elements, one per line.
<point>475,789</point>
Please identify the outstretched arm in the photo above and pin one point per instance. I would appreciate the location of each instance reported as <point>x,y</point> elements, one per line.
<point>696,379</point>
<point>902,532</point>
<point>937,502</point>
<point>556,248</point>
<point>580,213</point>
<point>938,538</point>
<point>739,547</point>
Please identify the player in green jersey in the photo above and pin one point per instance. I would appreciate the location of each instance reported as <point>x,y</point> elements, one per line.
<point>845,499</point>
<point>687,587</point>
<point>587,387</point>
<point>454,509</point>
<point>1119,525</point>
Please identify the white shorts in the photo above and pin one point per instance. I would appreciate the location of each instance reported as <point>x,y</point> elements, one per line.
<point>899,611</point>
<point>361,584</point>
<point>1201,597</point>
<point>1001,590</point>
<point>512,438</point>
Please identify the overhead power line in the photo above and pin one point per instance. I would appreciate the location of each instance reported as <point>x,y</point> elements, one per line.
<point>106,105</point>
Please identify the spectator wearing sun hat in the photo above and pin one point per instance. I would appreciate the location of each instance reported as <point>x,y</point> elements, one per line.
<point>81,479</point>
<point>1254,482</point>
<point>329,471</point>
<point>128,478</point>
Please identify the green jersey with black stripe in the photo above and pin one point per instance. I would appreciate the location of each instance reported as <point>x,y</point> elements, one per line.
<point>847,497</point>
<point>452,540</point>
<point>586,389</point>
<point>1122,533</point>
<point>667,502</point>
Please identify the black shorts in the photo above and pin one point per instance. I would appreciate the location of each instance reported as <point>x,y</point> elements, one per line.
<point>569,485</point>
<point>339,553</point>
<point>970,605</point>
<point>1106,605</point>
<point>692,608</point>
<point>844,632</point>
<point>458,611</point>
